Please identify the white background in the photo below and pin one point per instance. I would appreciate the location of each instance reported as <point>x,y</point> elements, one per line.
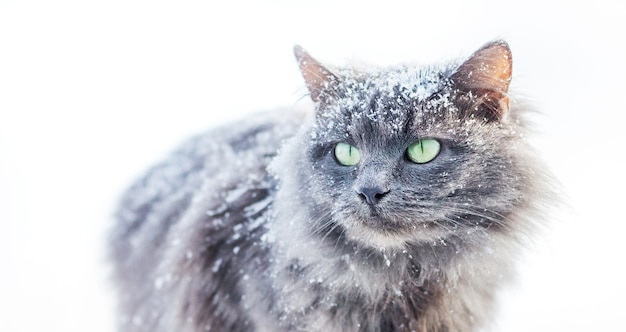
<point>93,92</point>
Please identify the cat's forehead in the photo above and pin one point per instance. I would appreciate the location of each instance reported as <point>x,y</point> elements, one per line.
<point>386,102</point>
<point>412,82</point>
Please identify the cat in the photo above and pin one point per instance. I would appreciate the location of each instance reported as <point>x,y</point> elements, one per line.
<point>399,203</point>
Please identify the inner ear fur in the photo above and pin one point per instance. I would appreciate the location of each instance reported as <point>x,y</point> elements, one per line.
<point>484,80</point>
<point>320,81</point>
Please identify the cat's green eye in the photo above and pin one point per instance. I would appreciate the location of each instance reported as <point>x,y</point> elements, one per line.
<point>423,150</point>
<point>347,154</point>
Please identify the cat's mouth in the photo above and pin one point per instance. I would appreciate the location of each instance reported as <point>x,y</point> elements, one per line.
<point>376,221</point>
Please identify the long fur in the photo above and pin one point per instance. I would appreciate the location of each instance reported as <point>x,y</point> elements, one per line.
<point>256,227</point>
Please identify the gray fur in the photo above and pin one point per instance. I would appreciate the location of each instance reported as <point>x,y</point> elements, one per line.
<point>256,227</point>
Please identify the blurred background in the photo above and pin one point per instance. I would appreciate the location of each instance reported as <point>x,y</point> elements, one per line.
<point>93,92</point>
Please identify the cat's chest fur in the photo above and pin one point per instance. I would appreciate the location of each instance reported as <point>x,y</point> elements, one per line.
<point>321,281</point>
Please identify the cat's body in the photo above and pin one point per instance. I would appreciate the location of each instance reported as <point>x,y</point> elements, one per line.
<point>259,227</point>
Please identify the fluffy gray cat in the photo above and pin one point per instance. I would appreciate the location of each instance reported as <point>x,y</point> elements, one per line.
<point>398,204</point>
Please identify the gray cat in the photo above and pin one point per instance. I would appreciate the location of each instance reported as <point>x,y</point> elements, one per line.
<point>398,204</point>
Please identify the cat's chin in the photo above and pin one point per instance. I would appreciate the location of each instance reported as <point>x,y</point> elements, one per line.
<point>374,234</point>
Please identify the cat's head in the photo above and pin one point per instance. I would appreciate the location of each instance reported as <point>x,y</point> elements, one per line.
<point>412,154</point>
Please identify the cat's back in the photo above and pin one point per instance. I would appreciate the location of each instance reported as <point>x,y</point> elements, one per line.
<point>221,172</point>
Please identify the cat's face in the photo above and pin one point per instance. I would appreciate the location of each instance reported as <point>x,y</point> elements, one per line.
<point>410,155</point>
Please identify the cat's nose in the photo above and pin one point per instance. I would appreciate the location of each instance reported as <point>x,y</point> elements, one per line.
<point>372,195</point>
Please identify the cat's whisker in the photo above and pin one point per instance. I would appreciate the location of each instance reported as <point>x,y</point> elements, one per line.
<point>340,238</point>
<point>498,219</point>
<point>323,228</point>
<point>461,212</point>
<point>330,229</point>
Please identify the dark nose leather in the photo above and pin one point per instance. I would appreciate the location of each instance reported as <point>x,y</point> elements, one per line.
<point>372,195</point>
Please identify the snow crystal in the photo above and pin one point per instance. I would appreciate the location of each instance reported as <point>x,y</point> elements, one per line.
<point>234,194</point>
<point>236,232</point>
<point>137,320</point>
<point>216,211</point>
<point>257,207</point>
<point>387,261</point>
<point>217,265</point>
<point>158,283</point>
<point>161,281</point>
<point>254,224</point>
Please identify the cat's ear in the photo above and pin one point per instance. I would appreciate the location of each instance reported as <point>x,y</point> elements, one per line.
<point>486,75</point>
<point>320,81</point>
